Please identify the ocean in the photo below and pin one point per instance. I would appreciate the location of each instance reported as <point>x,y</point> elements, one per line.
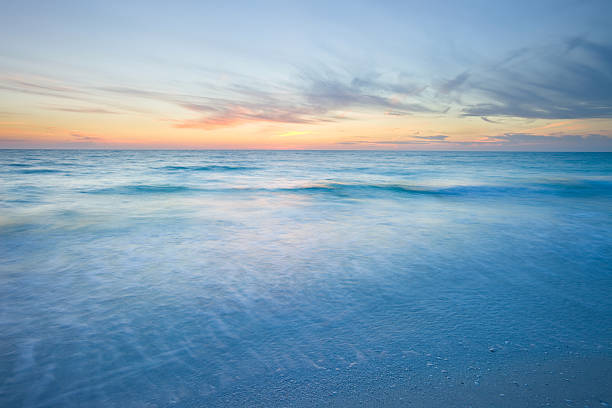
<point>305,278</point>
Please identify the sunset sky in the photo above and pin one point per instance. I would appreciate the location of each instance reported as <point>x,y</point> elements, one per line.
<point>481,75</point>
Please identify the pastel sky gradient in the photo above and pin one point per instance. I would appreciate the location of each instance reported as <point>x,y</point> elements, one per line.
<point>413,75</point>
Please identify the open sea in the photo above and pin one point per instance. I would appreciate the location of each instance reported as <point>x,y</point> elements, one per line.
<point>305,279</point>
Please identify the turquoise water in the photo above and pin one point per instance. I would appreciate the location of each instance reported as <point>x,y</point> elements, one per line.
<point>262,278</point>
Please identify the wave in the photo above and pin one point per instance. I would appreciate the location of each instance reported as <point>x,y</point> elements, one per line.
<point>369,190</point>
<point>19,165</point>
<point>573,188</point>
<point>346,189</point>
<point>212,167</point>
<point>136,189</point>
<point>375,170</point>
<point>334,189</point>
<point>40,171</point>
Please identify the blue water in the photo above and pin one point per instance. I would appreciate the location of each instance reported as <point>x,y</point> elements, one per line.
<point>263,278</point>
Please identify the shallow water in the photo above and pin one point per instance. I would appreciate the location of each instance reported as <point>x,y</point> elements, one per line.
<point>253,278</point>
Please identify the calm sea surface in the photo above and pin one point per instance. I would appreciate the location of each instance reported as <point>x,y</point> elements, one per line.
<point>262,278</point>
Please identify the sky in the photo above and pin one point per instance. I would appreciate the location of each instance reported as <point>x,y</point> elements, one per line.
<point>405,75</point>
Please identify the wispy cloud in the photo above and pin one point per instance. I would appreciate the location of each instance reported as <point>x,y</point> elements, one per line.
<point>39,86</point>
<point>314,96</point>
<point>489,120</point>
<point>566,81</point>
<point>556,82</point>
<point>508,141</point>
<point>85,138</point>
<point>84,110</point>
<point>331,91</point>
<point>527,141</point>
<point>410,140</point>
<point>453,84</point>
<point>35,84</point>
<point>569,80</point>
<point>71,141</point>
<point>49,90</point>
<point>435,137</point>
<point>230,114</point>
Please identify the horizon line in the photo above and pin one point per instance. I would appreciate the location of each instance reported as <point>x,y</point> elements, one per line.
<point>303,150</point>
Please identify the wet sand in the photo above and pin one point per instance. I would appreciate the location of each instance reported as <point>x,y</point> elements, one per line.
<point>570,381</point>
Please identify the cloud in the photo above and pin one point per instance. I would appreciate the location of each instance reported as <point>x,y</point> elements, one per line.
<point>230,114</point>
<point>144,93</point>
<point>374,83</point>
<point>315,96</point>
<point>83,110</point>
<point>332,91</point>
<point>570,81</point>
<point>39,86</point>
<point>36,143</point>
<point>36,84</point>
<point>508,141</point>
<point>51,88</point>
<point>85,138</point>
<point>436,137</point>
<point>420,140</point>
<point>455,83</point>
<point>489,120</point>
<point>241,105</point>
<point>526,141</point>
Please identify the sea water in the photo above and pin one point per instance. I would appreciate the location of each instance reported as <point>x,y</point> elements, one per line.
<point>305,278</point>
